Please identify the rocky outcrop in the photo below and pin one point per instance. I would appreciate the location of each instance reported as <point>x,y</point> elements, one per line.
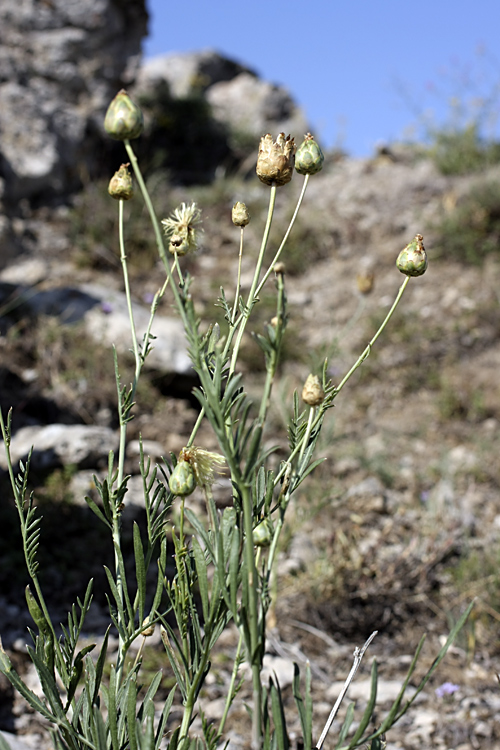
<point>241,106</point>
<point>61,61</point>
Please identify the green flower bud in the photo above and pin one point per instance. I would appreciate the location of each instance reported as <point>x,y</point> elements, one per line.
<point>412,260</point>
<point>309,157</point>
<point>262,535</point>
<point>240,215</point>
<point>276,159</point>
<point>123,119</point>
<point>120,185</point>
<point>182,480</point>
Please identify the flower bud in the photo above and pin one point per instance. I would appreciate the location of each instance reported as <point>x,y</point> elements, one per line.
<point>412,260</point>
<point>182,480</point>
<point>309,157</point>
<point>149,630</point>
<point>312,392</point>
<point>240,215</point>
<point>262,535</point>
<point>279,268</point>
<point>123,119</point>
<point>365,281</point>
<point>276,159</point>
<point>120,185</point>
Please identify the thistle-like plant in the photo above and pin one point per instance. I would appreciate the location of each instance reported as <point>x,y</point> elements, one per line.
<point>223,561</point>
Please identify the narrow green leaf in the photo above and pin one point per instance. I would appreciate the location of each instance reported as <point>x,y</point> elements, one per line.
<point>112,717</point>
<point>201,570</point>
<point>131,712</point>
<point>99,730</point>
<point>307,471</point>
<point>140,571</point>
<point>344,729</point>
<point>174,740</point>
<point>100,515</point>
<point>201,532</point>
<point>99,668</point>
<point>370,708</point>
<point>114,591</point>
<point>49,685</point>
<point>280,733</point>
<point>34,701</point>
<point>162,724</point>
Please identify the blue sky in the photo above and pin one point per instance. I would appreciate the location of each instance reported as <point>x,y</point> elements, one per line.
<point>364,71</point>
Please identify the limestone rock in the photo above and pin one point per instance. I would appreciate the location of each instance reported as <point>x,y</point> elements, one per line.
<point>60,64</point>
<point>61,445</point>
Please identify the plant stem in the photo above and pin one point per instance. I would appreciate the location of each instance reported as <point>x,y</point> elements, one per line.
<point>230,692</point>
<point>336,389</point>
<point>251,295</point>
<point>254,654</point>
<point>287,233</point>
<point>368,349</point>
<point>238,280</point>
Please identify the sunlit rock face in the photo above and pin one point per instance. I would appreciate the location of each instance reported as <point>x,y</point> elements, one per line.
<point>61,61</point>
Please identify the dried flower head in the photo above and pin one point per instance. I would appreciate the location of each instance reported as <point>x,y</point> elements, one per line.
<point>276,159</point>
<point>148,628</point>
<point>120,186</point>
<point>203,463</point>
<point>240,214</point>
<point>312,392</point>
<point>182,229</point>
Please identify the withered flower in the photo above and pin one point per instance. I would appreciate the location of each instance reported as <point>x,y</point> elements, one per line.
<point>276,159</point>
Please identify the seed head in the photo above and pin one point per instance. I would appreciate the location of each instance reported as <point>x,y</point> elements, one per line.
<point>182,229</point>
<point>276,159</point>
<point>204,464</point>
<point>120,185</point>
<point>312,392</point>
<point>240,215</point>
<point>309,157</point>
<point>124,120</point>
<point>412,260</point>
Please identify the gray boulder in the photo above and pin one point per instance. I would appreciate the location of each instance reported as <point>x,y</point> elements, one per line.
<point>61,62</point>
<point>61,445</point>
<point>239,99</point>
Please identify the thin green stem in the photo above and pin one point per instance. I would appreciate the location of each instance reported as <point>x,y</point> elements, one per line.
<point>368,349</point>
<point>285,238</point>
<point>254,656</point>
<point>238,279</point>
<point>251,295</point>
<point>307,433</point>
<point>230,692</point>
<point>336,389</point>
<point>157,230</point>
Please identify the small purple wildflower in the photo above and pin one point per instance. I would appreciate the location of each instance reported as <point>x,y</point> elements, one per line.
<point>424,496</point>
<point>447,688</point>
<point>148,297</point>
<point>106,307</point>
